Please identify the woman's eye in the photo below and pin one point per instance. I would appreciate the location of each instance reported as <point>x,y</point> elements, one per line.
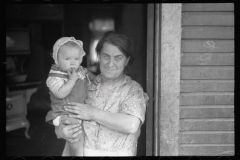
<point>118,58</point>
<point>67,58</point>
<point>105,57</point>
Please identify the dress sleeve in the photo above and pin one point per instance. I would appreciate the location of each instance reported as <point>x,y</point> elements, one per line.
<point>54,83</point>
<point>135,103</point>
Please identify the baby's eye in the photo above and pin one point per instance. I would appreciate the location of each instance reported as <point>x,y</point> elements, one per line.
<point>76,58</point>
<point>67,58</point>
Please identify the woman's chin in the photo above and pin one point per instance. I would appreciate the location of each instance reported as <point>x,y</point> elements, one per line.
<point>111,76</point>
<point>107,76</point>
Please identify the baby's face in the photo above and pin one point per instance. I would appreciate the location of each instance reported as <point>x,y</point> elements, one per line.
<point>69,58</point>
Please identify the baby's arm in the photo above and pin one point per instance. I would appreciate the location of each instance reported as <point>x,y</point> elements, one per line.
<point>59,88</point>
<point>94,78</point>
<point>91,75</point>
<point>65,89</point>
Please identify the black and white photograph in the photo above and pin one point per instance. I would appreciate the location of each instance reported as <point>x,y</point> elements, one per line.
<point>120,79</point>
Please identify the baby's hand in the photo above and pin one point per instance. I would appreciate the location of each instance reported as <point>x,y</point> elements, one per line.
<point>73,75</point>
<point>97,79</point>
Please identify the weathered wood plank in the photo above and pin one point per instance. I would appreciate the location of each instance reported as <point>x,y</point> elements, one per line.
<point>206,124</point>
<point>206,86</point>
<point>208,18</point>
<point>202,72</point>
<point>206,59</point>
<point>207,32</point>
<point>211,98</point>
<point>206,150</point>
<point>208,7</point>
<point>206,137</point>
<point>208,46</point>
<point>197,112</point>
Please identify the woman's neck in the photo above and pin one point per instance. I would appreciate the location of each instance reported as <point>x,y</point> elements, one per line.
<point>112,82</point>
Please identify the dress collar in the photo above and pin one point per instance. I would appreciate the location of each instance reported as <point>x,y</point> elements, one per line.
<point>57,68</point>
<point>125,80</point>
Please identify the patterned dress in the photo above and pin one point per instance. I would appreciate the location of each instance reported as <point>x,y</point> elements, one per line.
<point>128,98</point>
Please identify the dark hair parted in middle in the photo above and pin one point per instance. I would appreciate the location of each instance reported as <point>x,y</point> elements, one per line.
<point>121,41</point>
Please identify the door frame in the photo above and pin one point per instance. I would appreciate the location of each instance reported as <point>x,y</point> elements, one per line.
<point>153,37</point>
<point>163,78</point>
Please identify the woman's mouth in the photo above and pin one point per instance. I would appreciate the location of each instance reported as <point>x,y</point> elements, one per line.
<point>110,70</point>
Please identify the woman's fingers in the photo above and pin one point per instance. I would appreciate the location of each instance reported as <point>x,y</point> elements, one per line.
<point>73,140</point>
<point>76,130</point>
<point>72,127</point>
<point>77,133</point>
<point>72,110</point>
<point>65,122</point>
<point>69,130</point>
<point>73,103</point>
<point>75,116</point>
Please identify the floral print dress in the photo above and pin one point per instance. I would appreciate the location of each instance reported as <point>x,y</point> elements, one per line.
<point>128,98</point>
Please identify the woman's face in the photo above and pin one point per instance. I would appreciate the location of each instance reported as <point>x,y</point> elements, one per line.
<point>112,61</point>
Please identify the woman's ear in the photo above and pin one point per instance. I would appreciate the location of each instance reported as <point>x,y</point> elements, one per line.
<point>98,56</point>
<point>127,61</point>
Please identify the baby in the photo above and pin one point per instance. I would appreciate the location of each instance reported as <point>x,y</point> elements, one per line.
<point>67,82</point>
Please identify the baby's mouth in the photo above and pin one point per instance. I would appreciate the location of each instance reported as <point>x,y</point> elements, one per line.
<point>71,69</point>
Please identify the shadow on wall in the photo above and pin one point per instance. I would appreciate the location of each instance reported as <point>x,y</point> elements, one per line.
<point>38,71</point>
<point>40,100</point>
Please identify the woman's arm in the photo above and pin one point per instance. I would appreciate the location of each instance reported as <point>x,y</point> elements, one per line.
<point>116,121</point>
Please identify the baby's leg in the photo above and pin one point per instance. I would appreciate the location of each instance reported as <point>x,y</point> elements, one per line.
<point>76,147</point>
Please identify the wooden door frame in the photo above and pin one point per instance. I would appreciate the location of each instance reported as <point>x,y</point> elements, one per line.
<point>163,78</point>
<point>153,81</point>
<point>149,86</point>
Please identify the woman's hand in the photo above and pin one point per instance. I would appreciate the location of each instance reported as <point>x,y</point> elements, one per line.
<point>68,132</point>
<point>82,111</point>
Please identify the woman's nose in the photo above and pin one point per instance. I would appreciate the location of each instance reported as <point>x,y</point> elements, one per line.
<point>111,62</point>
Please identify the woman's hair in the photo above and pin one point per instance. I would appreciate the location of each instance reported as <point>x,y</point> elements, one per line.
<point>121,41</point>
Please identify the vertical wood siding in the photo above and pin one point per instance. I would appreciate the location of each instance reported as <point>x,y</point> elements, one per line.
<point>207,80</point>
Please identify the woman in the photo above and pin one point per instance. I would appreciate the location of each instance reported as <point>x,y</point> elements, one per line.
<point>115,107</point>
